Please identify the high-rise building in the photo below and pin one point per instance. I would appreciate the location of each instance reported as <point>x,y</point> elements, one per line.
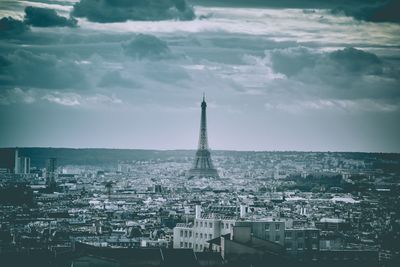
<point>203,166</point>
<point>11,162</point>
<point>23,165</point>
<point>51,172</point>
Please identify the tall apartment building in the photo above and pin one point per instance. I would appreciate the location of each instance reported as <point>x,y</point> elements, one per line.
<point>51,172</point>
<point>23,165</point>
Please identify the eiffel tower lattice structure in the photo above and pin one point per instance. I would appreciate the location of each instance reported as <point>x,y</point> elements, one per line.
<point>203,166</point>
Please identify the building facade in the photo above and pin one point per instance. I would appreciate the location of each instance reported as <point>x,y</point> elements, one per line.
<point>209,226</point>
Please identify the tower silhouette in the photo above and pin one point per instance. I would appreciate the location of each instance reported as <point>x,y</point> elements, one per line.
<point>203,166</point>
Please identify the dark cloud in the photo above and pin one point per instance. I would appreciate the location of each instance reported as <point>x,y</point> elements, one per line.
<point>145,46</point>
<point>345,73</point>
<point>284,3</point>
<point>291,61</point>
<point>122,10</point>
<point>356,61</point>
<point>380,11</point>
<point>45,17</point>
<point>27,69</point>
<point>10,26</point>
<point>367,10</point>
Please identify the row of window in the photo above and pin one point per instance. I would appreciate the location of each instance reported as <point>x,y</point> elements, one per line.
<point>210,224</point>
<point>226,225</point>
<point>268,226</point>
<point>189,245</point>
<point>289,234</point>
<point>185,233</point>
<point>277,237</point>
<point>186,245</point>
<point>300,246</point>
<point>205,235</point>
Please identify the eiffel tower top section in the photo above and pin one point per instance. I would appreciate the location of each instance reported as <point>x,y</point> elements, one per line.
<point>203,140</point>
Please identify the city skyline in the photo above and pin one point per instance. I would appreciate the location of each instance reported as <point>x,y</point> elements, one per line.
<point>278,75</point>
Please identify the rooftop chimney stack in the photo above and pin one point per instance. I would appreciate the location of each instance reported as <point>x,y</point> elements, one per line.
<point>242,211</point>
<point>198,211</point>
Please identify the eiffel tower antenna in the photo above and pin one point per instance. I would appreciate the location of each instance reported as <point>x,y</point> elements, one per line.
<point>203,166</point>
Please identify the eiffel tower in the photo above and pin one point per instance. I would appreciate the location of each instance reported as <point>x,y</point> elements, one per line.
<point>203,166</point>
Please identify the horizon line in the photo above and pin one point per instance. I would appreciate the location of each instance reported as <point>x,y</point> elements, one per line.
<point>194,149</point>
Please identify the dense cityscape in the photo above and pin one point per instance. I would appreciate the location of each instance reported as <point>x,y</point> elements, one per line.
<point>160,208</point>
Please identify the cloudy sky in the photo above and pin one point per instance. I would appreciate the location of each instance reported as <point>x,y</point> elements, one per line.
<point>278,75</point>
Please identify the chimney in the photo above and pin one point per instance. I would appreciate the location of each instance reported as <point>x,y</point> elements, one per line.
<point>242,211</point>
<point>198,211</point>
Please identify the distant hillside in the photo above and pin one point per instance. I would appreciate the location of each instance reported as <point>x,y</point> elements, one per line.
<point>110,157</point>
<point>97,156</point>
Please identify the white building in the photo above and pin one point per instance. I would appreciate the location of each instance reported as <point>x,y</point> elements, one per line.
<point>206,227</point>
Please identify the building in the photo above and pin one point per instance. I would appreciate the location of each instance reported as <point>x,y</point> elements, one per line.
<point>243,246</point>
<point>51,172</point>
<point>203,166</point>
<point>23,165</point>
<point>11,162</point>
<point>270,230</point>
<point>209,226</point>
<point>332,224</point>
<point>302,242</point>
<point>8,160</point>
<point>204,228</point>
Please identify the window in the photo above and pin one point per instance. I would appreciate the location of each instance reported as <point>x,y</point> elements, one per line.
<point>314,234</point>
<point>209,236</point>
<point>300,245</point>
<point>201,235</point>
<point>267,226</point>
<point>288,234</point>
<point>190,245</point>
<point>300,234</point>
<point>197,246</point>
<point>277,226</point>
<point>277,238</point>
<point>197,235</point>
<point>181,233</point>
<point>181,244</point>
<point>231,225</point>
<point>186,245</point>
<point>210,225</point>
<point>201,247</point>
<point>190,233</point>
<point>227,226</point>
<point>197,224</point>
<point>222,225</point>
<point>201,224</point>
<point>185,233</point>
<point>267,236</point>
